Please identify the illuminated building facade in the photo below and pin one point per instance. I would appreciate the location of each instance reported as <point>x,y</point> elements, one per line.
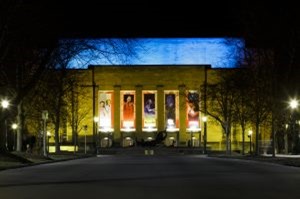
<point>159,90</point>
<point>134,102</point>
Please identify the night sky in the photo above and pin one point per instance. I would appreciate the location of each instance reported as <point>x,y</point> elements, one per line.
<point>268,20</point>
<point>151,19</point>
<point>186,18</point>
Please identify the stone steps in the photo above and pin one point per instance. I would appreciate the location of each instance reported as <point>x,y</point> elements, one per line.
<point>149,151</point>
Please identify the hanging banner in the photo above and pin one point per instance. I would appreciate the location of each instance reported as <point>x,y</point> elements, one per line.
<point>193,110</point>
<point>128,110</point>
<point>149,110</point>
<point>171,110</point>
<point>105,110</point>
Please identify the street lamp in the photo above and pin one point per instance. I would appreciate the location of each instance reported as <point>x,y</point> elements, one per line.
<point>204,119</point>
<point>14,126</point>
<point>286,139</point>
<point>45,117</point>
<point>5,105</point>
<point>293,104</point>
<point>48,136</point>
<point>250,136</point>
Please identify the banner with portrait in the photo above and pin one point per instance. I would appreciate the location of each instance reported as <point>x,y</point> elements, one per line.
<point>105,109</point>
<point>171,109</point>
<point>149,110</point>
<point>128,109</point>
<point>193,110</point>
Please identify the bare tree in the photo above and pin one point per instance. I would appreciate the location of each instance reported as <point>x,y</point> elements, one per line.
<point>28,49</point>
<point>76,99</point>
<point>275,60</point>
<point>241,101</point>
<point>23,55</point>
<point>220,101</point>
<point>61,84</point>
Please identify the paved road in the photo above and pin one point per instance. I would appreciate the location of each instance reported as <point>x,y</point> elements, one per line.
<point>156,177</point>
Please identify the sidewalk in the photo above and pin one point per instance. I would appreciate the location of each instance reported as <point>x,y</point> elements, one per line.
<point>282,155</point>
<point>288,160</point>
<point>21,159</point>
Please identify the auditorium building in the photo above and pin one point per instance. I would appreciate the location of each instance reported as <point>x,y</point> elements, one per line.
<point>122,104</point>
<point>134,102</point>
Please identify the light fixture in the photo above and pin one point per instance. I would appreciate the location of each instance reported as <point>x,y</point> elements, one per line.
<point>4,103</point>
<point>293,103</point>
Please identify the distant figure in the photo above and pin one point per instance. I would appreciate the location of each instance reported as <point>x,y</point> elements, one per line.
<point>173,143</point>
<point>28,148</point>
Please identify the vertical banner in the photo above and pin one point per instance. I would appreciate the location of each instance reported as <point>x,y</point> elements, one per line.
<point>171,110</point>
<point>105,109</point>
<point>128,110</point>
<point>193,110</point>
<point>149,110</point>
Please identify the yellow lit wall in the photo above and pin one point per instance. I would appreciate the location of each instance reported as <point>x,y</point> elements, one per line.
<point>155,79</point>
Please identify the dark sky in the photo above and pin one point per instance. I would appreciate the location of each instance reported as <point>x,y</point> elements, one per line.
<point>156,19</point>
<point>150,19</point>
<point>131,19</point>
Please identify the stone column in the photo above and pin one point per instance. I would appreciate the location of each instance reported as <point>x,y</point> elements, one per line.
<point>182,115</point>
<point>117,119</point>
<point>138,109</point>
<point>160,109</point>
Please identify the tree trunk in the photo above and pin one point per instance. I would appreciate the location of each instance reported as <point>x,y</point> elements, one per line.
<point>243,140</point>
<point>20,119</point>
<point>273,137</point>
<point>257,138</point>
<point>2,134</point>
<point>57,145</point>
<point>57,124</point>
<point>228,142</point>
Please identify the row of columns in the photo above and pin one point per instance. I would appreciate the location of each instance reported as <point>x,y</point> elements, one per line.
<point>160,111</point>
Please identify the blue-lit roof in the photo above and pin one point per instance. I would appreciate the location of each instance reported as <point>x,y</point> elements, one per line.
<point>217,52</point>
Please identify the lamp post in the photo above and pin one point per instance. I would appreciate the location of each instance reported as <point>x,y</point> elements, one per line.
<point>250,137</point>
<point>48,138</point>
<point>5,105</point>
<point>96,119</point>
<point>14,126</point>
<point>45,117</point>
<point>293,104</point>
<point>204,119</point>
<point>286,139</point>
